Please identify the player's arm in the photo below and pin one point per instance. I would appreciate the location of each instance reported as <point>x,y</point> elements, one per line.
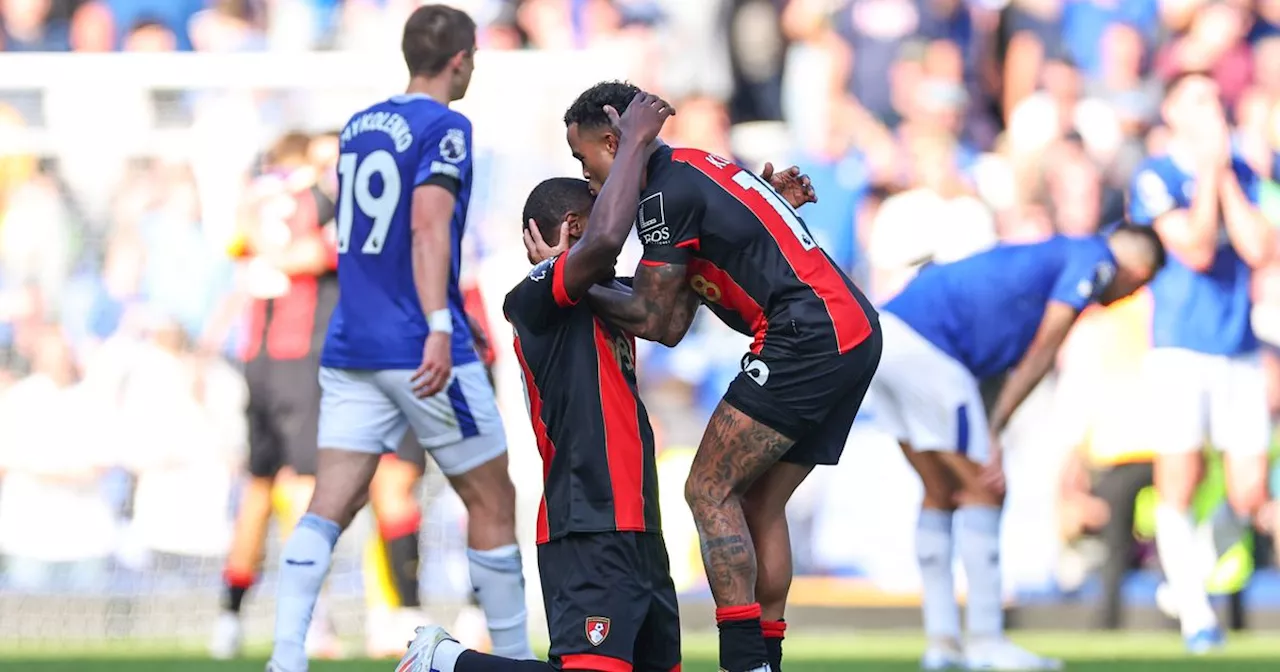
<point>445,156</point>
<point>1035,364</point>
<point>1082,282</point>
<point>1250,233</point>
<point>669,232</point>
<point>1190,234</point>
<point>593,258</point>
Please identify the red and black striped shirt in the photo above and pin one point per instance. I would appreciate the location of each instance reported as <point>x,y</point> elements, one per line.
<point>598,468</point>
<point>293,325</point>
<point>748,256</point>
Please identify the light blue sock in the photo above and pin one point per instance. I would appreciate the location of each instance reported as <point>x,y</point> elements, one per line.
<point>498,579</point>
<point>978,540</point>
<point>934,553</point>
<point>303,565</point>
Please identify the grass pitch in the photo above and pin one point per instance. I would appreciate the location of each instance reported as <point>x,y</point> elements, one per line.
<point>835,652</point>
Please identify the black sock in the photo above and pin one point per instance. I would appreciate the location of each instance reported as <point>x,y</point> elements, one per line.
<point>742,647</point>
<point>235,586</point>
<point>774,631</point>
<point>474,661</point>
<point>402,555</point>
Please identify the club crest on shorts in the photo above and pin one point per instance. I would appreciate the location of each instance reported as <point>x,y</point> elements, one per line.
<point>597,629</point>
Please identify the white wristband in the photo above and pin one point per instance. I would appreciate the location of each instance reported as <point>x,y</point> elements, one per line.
<point>440,321</point>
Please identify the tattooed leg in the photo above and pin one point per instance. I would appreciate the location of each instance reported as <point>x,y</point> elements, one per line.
<point>734,453</point>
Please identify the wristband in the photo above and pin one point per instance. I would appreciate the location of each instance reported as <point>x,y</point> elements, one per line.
<point>440,321</point>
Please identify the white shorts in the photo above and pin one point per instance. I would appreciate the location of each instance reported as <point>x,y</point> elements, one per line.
<point>1198,398</point>
<point>368,412</point>
<point>925,398</point>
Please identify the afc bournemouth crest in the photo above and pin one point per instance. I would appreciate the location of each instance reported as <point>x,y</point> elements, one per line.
<point>597,629</point>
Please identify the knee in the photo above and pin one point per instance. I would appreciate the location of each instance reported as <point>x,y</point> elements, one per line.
<point>494,505</point>
<point>704,492</point>
<point>1248,500</point>
<point>332,506</point>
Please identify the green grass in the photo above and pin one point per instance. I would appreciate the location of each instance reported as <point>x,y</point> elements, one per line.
<point>836,652</point>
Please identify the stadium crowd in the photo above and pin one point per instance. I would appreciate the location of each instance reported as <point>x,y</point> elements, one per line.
<point>932,129</point>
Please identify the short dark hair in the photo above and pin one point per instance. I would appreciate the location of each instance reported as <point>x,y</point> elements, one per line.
<point>551,200</point>
<point>433,35</point>
<point>1147,235</point>
<point>588,110</point>
<point>291,146</point>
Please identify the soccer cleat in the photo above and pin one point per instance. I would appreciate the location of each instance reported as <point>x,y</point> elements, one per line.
<point>938,657</point>
<point>1005,656</point>
<point>423,648</point>
<point>228,637</point>
<point>1205,641</point>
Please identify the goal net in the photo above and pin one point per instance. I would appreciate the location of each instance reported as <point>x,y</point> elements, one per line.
<point>120,176</point>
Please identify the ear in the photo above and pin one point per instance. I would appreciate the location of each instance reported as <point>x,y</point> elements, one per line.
<point>611,141</point>
<point>455,62</point>
<point>577,224</point>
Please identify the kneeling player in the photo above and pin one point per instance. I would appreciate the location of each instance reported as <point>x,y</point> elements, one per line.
<point>1007,309</point>
<point>611,603</point>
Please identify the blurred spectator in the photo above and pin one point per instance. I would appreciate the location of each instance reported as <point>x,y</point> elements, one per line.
<point>56,527</point>
<point>25,25</point>
<point>93,28</point>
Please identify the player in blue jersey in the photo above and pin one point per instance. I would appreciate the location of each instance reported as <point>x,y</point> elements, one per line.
<point>1205,375</point>
<point>399,353</point>
<point>1007,309</point>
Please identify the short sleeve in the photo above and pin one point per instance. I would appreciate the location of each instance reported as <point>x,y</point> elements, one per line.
<point>540,298</point>
<point>445,153</point>
<point>668,223</point>
<point>1086,275</point>
<point>1149,198</point>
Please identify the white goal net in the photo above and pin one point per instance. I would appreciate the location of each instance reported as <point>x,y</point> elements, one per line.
<point>120,176</point>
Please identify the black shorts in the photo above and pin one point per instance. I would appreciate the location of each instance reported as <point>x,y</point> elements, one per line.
<point>610,602</point>
<point>812,400</point>
<point>284,415</point>
<point>409,450</point>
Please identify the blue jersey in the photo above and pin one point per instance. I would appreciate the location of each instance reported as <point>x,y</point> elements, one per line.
<point>984,311</point>
<point>1205,312</point>
<point>388,150</point>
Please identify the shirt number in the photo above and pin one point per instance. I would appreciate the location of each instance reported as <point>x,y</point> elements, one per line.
<point>749,180</point>
<point>355,181</point>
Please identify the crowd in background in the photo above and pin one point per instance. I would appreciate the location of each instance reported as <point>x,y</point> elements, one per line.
<point>932,129</point>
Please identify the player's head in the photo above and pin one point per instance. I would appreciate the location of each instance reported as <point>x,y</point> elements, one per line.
<point>555,202</point>
<point>1139,256</point>
<point>440,42</point>
<point>289,152</point>
<point>1191,99</point>
<point>592,138</point>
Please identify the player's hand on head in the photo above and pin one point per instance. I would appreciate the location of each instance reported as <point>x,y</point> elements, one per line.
<point>796,188</point>
<point>437,365</point>
<point>537,248</point>
<point>643,119</point>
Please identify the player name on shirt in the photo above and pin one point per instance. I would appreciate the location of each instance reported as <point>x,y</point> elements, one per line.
<point>592,430</point>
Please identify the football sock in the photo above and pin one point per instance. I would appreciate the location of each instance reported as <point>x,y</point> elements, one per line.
<point>401,540</point>
<point>303,565</point>
<point>236,583</point>
<point>978,541</point>
<point>1183,568</point>
<point>1224,529</point>
<point>497,577</point>
<point>450,656</point>
<point>934,550</point>
<point>742,647</point>
<point>774,633</point>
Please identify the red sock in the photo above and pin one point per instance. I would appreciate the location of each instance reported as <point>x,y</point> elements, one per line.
<point>774,633</point>
<point>742,644</point>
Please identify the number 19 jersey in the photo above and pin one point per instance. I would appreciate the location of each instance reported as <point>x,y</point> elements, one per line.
<point>387,151</point>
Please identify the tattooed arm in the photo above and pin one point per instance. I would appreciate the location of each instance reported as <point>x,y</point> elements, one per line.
<point>654,306</point>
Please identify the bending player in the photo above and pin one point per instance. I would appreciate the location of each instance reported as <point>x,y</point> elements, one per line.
<point>710,225</point>
<point>399,353</point>
<point>606,581</point>
<point>1206,378</point>
<point>1006,309</point>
